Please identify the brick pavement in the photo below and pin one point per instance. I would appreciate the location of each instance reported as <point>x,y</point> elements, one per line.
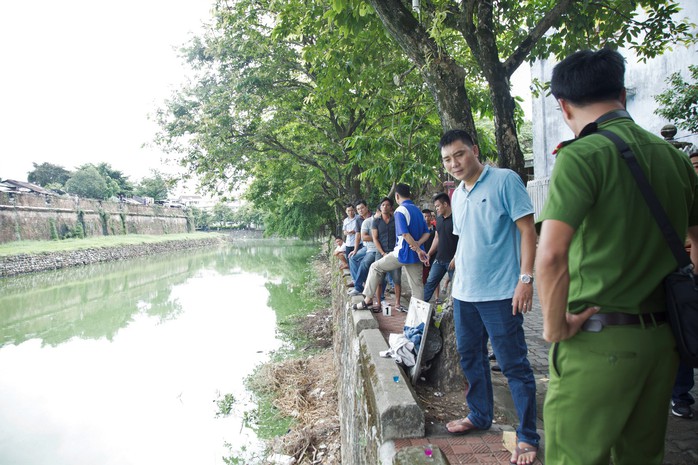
<point>493,446</point>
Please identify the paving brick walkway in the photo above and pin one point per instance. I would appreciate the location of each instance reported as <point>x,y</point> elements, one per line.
<point>491,446</point>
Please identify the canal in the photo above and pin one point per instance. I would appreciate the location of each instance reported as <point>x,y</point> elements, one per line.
<point>128,363</point>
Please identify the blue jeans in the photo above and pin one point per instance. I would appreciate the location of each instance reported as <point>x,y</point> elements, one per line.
<point>684,382</point>
<point>354,263</point>
<point>436,274</point>
<point>362,274</point>
<point>474,321</point>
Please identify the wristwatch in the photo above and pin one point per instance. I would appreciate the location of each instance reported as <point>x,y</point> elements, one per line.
<point>526,278</point>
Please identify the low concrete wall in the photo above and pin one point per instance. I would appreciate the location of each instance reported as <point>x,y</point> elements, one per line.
<point>24,263</point>
<point>32,216</point>
<point>374,410</point>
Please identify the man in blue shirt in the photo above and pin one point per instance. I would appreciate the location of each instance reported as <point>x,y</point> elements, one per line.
<point>492,288</point>
<point>411,232</point>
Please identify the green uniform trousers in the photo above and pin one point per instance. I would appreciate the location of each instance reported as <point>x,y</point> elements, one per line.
<point>608,396</point>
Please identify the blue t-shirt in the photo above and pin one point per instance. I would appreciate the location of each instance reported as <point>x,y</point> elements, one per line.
<point>408,219</point>
<point>488,256</point>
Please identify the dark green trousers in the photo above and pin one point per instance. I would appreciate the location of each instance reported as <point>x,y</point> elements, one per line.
<point>608,396</point>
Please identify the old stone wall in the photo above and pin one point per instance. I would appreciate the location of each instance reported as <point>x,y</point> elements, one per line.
<point>34,216</point>
<point>23,263</point>
<point>374,410</point>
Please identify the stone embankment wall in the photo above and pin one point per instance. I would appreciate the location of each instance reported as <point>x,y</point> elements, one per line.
<point>374,410</point>
<point>34,216</point>
<point>24,263</point>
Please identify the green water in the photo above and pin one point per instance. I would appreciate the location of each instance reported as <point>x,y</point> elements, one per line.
<point>127,362</point>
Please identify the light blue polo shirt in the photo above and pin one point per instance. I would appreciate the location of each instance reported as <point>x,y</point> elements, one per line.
<point>408,219</point>
<point>488,257</point>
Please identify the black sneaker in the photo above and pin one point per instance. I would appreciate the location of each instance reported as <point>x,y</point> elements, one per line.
<point>681,410</point>
<point>492,357</point>
<point>496,368</point>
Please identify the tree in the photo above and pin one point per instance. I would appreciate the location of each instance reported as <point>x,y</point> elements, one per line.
<point>452,40</point>
<point>87,182</point>
<point>222,213</point>
<point>679,103</point>
<point>202,218</point>
<point>157,186</point>
<point>48,173</point>
<point>308,113</point>
<point>118,183</point>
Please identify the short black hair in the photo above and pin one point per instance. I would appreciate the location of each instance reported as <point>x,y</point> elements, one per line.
<point>589,76</point>
<point>426,210</point>
<point>442,197</point>
<point>403,190</point>
<point>386,199</point>
<point>453,135</point>
<point>348,205</point>
<point>361,202</point>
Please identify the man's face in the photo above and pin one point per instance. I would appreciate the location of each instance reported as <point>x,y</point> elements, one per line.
<point>338,241</point>
<point>694,162</point>
<point>460,160</point>
<point>427,217</point>
<point>438,206</point>
<point>362,209</point>
<point>386,208</point>
<point>350,212</point>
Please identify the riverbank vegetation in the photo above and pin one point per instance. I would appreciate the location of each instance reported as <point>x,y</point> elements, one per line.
<point>39,247</point>
<point>296,392</point>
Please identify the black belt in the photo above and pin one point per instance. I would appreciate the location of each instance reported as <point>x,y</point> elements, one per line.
<point>597,322</point>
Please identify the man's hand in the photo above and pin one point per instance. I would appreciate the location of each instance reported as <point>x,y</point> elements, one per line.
<point>523,298</point>
<point>573,323</point>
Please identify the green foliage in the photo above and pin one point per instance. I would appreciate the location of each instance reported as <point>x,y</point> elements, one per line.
<point>225,405</point>
<point>157,186</point>
<point>122,217</point>
<point>679,102</point>
<point>119,184</point>
<point>201,218</point>
<point>53,231</point>
<point>46,174</point>
<point>306,106</point>
<point>104,220</point>
<point>87,182</point>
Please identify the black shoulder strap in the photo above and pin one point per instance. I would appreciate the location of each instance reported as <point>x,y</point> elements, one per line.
<point>675,244</point>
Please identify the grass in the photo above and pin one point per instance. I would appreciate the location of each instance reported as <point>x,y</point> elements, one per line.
<point>37,247</point>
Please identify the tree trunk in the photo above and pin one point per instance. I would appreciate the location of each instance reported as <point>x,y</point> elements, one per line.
<point>509,152</point>
<point>442,75</point>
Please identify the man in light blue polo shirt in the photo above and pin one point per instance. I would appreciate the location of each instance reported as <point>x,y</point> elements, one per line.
<point>411,232</point>
<point>493,287</point>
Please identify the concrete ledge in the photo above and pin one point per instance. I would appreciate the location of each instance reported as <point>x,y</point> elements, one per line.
<point>363,319</point>
<point>397,413</point>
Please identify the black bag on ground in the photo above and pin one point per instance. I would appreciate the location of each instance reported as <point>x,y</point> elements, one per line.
<point>680,285</point>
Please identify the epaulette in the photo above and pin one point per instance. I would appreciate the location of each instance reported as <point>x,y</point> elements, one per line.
<point>590,128</point>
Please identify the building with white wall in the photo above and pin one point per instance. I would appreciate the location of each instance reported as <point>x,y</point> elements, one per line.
<point>642,80</point>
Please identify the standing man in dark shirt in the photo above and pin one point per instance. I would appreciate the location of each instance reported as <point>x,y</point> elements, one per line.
<point>444,246</point>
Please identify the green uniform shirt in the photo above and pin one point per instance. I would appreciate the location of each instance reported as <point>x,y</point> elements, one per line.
<point>618,256</point>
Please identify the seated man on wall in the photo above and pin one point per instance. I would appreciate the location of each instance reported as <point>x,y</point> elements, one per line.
<point>408,252</point>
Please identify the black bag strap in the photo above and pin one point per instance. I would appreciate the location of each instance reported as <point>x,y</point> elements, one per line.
<point>675,244</point>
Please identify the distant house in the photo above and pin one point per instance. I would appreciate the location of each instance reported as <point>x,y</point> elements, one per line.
<point>10,185</point>
<point>144,200</point>
<point>197,201</point>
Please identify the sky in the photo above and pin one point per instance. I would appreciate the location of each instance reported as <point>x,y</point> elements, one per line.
<point>80,77</point>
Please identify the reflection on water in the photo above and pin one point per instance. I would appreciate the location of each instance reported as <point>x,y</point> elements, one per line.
<point>122,362</point>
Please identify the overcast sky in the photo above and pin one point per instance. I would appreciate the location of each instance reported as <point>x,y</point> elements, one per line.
<point>79,78</point>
